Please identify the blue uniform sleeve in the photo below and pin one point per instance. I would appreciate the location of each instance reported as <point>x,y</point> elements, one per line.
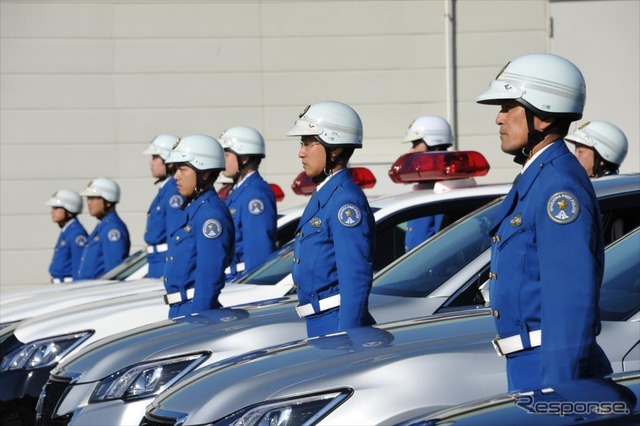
<point>115,246</point>
<point>354,246</point>
<point>77,249</point>
<point>258,229</point>
<point>214,248</point>
<point>571,263</point>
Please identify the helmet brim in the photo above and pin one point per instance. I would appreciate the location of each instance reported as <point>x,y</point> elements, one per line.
<point>305,128</point>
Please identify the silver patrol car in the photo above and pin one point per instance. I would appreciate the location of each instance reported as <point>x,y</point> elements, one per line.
<point>387,373</point>
<point>609,401</point>
<point>272,280</point>
<point>442,274</point>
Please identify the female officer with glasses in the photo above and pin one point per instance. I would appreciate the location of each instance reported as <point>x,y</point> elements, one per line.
<point>334,242</point>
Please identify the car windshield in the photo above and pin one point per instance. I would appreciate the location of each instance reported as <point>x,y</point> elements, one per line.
<point>277,266</point>
<point>620,289</point>
<point>130,265</point>
<point>439,258</point>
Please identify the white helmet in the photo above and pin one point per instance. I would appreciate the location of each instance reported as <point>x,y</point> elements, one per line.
<point>546,83</point>
<point>605,138</point>
<point>335,123</point>
<point>67,199</point>
<point>243,140</point>
<point>161,145</point>
<point>104,188</point>
<point>203,152</point>
<point>432,129</point>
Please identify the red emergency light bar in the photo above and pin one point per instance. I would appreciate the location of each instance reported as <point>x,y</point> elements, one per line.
<point>225,190</point>
<point>277,191</point>
<point>363,177</point>
<point>430,166</point>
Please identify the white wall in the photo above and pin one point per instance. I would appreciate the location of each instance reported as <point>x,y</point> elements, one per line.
<point>85,85</point>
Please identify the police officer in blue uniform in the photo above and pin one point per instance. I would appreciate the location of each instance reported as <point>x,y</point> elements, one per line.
<point>251,202</point>
<point>66,205</point>
<point>600,147</point>
<point>547,252</point>
<point>335,240</point>
<point>109,244</point>
<point>165,207</point>
<point>427,133</point>
<point>201,242</point>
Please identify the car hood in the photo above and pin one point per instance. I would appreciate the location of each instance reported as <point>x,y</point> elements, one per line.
<point>45,302</point>
<point>223,334</point>
<point>364,360</point>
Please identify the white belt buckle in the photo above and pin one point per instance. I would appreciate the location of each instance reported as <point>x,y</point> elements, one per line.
<point>496,346</point>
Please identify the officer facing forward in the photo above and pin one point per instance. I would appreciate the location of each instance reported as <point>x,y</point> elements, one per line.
<point>108,245</point>
<point>165,206</point>
<point>334,242</point>
<point>251,203</point>
<point>201,241</point>
<point>600,147</point>
<point>66,205</point>
<point>547,256</point>
<point>428,133</point>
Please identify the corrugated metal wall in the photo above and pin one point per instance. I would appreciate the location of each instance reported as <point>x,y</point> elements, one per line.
<point>85,85</point>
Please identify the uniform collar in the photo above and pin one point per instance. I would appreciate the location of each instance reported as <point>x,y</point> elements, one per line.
<point>244,179</point>
<point>322,195</point>
<point>539,162</point>
<point>68,224</point>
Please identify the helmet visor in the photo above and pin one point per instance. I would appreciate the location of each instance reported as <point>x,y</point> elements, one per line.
<point>179,157</point>
<point>305,128</point>
<point>499,91</point>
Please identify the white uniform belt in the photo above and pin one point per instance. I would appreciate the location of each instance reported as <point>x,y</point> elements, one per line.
<point>240,267</point>
<point>325,304</point>
<point>64,280</point>
<point>512,344</point>
<point>171,298</point>
<point>159,248</point>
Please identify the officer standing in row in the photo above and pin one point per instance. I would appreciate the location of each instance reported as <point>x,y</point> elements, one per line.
<point>66,205</point>
<point>251,202</point>
<point>547,256</point>
<point>428,133</point>
<point>600,147</point>
<point>109,244</point>
<point>335,240</point>
<point>165,206</point>
<point>201,242</point>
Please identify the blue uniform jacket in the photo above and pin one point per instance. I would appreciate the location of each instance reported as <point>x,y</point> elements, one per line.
<point>419,230</point>
<point>334,248</point>
<point>107,246</point>
<point>200,248</point>
<point>164,209</point>
<point>68,251</point>
<point>547,265</point>
<point>253,208</point>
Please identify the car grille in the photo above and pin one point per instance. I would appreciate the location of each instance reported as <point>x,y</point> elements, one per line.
<point>52,393</point>
<point>150,420</point>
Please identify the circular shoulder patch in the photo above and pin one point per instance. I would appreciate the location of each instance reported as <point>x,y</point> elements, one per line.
<point>256,206</point>
<point>212,228</point>
<point>114,235</point>
<point>563,207</point>
<point>349,215</point>
<point>176,201</point>
<point>81,240</point>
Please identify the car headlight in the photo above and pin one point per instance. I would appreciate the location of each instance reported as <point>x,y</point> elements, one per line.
<point>305,410</point>
<point>42,353</point>
<point>146,379</point>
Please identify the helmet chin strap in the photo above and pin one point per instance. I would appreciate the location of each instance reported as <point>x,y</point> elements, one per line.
<point>534,137</point>
<point>327,170</point>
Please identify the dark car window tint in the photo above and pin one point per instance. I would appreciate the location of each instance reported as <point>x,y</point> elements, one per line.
<point>434,262</point>
<point>620,291</point>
